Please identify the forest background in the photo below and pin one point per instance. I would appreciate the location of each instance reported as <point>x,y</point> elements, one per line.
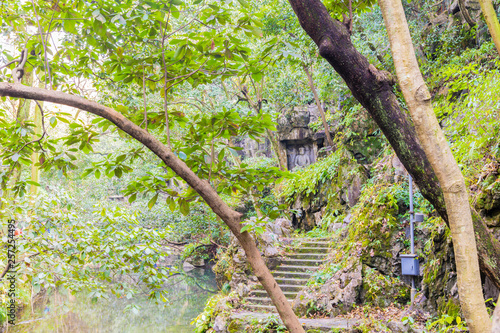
<point>216,72</point>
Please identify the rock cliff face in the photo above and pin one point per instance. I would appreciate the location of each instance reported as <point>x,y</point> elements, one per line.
<point>252,148</point>
<point>359,136</point>
<point>364,266</point>
<point>488,196</point>
<point>296,139</point>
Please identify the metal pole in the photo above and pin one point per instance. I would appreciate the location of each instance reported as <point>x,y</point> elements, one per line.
<point>411,216</point>
<point>412,219</point>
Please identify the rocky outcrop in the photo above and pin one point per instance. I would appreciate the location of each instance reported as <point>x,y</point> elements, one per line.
<point>297,140</point>
<point>362,140</point>
<point>355,283</point>
<point>337,295</point>
<point>330,195</point>
<point>251,148</point>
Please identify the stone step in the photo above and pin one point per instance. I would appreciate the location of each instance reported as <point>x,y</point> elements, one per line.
<point>285,274</point>
<point>261,300</point>
<point>297,268</point>
<point>291,281</point>
<point>259,308</point>
<point>291,287</point>
<point>304,262</point>
<point>292,274</point>
<point>314,239</point>
<point>310,325</point>
<point>308,249</point>
<point>288,287</point>
<point>310,256</point>
<point>324,245</point>
<point>263,293</point>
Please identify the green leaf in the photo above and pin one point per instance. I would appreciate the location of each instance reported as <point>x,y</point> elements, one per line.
<point>152,202</point>
<point>257,76</point>
<point>184,207</point>
<point>121,158</point>
<point>69,26</point>
<point>31,182</point>
<point>243,3</point>
<point>178,52</point>
<point>171,204</point>
<point>132,198</point>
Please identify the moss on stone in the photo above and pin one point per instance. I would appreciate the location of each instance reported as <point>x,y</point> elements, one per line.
<point>450,306</point>
<point>382,290</point>
<point>235,326</point>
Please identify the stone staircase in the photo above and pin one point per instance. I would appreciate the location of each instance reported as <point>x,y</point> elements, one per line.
<point>291,275</point>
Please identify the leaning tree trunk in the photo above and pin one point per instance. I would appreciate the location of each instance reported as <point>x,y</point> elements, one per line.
<point>202,187</point>
<point>418,99</point>
<point>373,89</point>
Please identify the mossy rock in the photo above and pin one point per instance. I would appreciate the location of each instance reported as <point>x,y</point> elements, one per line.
<point>382,290</point>
<point>235,326</point>
<point>449,306</point>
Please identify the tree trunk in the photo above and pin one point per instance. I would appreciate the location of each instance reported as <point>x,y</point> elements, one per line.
<point>465,13</point>
<point>22,115</point>
<point>495,327</point>
<point>275,146</point>
<point>253,197</point>
<point>373,89</point>
<point>320,108</point>
<point>418,99</point>
<point>490,16</point>
<point>35,156</point>
<point>202,187</point>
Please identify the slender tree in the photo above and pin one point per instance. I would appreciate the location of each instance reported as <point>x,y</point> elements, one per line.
<point>318,104</point>
<point>35,156</point>
<point>490,16</point>
<point>438,151</point>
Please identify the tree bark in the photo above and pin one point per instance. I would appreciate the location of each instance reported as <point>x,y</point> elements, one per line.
<point>202,187</point>
<point>275,146</point>
<point>22,115</point>
<point>35,156</point>
<point>490,16</point>
<point>320,108</point>
<point>373,89</point>
<point>435,145</point>
<point>465,13</point>
<point>495,327</point>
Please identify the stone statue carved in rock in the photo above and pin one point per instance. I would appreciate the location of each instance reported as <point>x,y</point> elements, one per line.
<point>302,159</point>
<point>299,156</point>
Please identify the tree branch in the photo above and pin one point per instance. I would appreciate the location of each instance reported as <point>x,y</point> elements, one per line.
<point>230,217</point>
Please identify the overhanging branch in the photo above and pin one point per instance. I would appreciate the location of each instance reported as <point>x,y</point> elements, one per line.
<point>165,154</point>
